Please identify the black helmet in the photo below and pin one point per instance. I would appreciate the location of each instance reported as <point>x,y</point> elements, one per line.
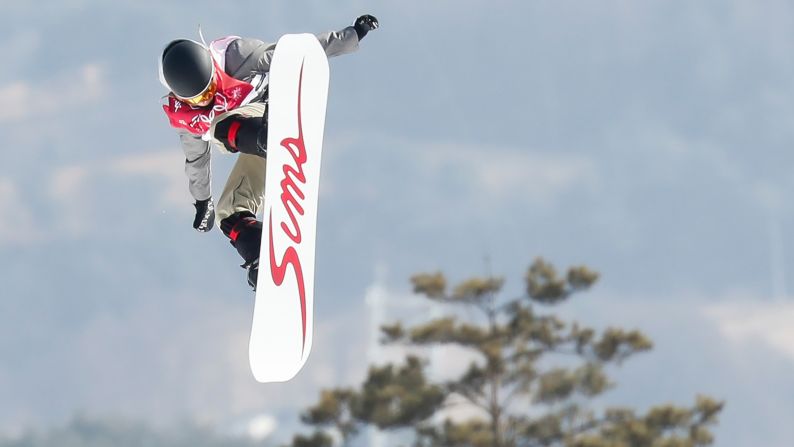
<point>187,68</point>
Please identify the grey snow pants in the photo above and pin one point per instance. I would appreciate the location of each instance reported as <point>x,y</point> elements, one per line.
<point>245,187</point>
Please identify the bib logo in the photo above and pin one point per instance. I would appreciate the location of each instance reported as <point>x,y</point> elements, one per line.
<point>291,199</point>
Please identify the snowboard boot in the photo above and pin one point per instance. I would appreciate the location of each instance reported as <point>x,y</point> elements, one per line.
<point>245,234</point>
<point>247,135</point>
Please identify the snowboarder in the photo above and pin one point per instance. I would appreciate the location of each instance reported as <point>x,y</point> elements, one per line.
<point>218,96</point>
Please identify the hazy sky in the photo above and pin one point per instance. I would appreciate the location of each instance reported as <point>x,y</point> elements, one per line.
<point>646,139</point>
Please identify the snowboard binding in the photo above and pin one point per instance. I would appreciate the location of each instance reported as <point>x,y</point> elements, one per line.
<point>253,273</point>
<point>247,135</point>
<point>245,234</point>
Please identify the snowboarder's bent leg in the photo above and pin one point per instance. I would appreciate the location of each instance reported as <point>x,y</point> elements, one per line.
<point>242,198</point>
<point>245,187</point>
<point>243,130</point>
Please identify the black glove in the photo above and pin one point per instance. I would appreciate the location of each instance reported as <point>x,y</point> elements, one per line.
<point>365,24</point>
<point>205,215</point>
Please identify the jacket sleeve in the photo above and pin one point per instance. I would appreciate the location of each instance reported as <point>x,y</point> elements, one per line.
<point>197,165</point>
<point>246,57</point>
<point>337,43</point>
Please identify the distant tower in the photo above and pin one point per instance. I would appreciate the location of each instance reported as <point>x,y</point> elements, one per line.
<point>384,308</point>
<point>375,298</point>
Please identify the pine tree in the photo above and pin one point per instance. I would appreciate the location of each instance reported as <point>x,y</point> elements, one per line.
<point>531,378</point>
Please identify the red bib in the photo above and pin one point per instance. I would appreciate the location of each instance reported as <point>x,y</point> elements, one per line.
<point>197,120</point>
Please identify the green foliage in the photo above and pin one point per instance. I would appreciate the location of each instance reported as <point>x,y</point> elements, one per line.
<point>545,286</point>
<point>477,290</point>
<point>446,330</point>
<point>391,397</point>
<point>392,333</point>
<point>333,410</point>
<point>431,285</point>
<point>661,426</point>
<point>617,344</point>
<point>530,376</point>
<point>560,384</point>
<point>394,397</point>
<point>474,433</point>
<point>317,439</point>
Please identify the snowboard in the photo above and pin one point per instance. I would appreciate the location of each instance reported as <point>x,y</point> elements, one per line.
<point>281,332</point>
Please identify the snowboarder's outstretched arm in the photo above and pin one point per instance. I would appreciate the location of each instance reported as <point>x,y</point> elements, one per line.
<point>198,171</point>
<point>246,57</point>
<point>337,43</point>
